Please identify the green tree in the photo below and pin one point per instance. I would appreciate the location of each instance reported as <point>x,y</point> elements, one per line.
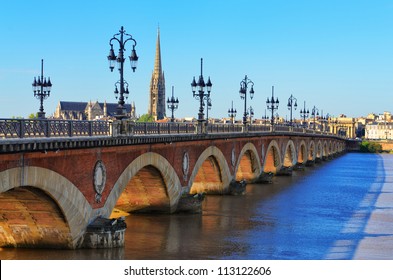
<point>374,147</point>
<point>370,147</point>
<point>146,118</point>
<point>33,116</point>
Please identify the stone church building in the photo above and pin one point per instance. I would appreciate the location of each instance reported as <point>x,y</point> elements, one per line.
<point>68,110</point>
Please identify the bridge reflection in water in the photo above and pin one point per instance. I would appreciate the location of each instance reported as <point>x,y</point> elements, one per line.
<point>88,178</point>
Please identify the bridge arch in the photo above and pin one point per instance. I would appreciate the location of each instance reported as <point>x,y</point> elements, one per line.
<point>248,165</point>
<point>211,172</point>
<point>311,151</point>
<point>148,182</point>
<point>290,158</point>
<point>319,151</point>
<point>302,152</point>
<point>72,204</point>
<point>272,162</point>
<point>325,150</point>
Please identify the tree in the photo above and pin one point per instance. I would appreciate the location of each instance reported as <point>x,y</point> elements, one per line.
<point>370,147</point>
<point>146,118</point>
<point>33,116</point>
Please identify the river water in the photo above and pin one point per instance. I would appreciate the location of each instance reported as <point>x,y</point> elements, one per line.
<point>339,209</point>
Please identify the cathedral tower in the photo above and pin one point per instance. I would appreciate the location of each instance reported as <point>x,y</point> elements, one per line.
<point>157,86</point>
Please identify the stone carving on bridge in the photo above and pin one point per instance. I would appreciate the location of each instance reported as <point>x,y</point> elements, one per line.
<point>185,165</point>
<point>99,179</point>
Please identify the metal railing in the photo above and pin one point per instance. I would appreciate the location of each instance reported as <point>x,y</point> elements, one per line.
<point>20,128</point>
<point>23,128</point>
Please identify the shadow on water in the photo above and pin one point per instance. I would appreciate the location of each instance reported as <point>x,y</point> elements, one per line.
<point>298,217</point>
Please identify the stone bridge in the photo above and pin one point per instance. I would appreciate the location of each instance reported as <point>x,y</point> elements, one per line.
<point>53,187</point>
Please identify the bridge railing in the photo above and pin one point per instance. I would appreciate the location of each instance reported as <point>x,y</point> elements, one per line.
<point>20,128</point>
<point>162,128</point>
<point>223,128</point>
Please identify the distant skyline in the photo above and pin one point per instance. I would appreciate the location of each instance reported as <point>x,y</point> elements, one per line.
<point>335,55</point>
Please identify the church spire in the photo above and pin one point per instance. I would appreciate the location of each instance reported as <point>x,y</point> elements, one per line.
<point>157,85</point>
<point>157,62</point>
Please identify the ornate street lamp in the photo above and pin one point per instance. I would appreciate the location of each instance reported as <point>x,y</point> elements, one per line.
<point>198,92</point>
<point>265,118</point>
<point>315,114</point>
<point>41,88</point>
<point>121,87</point>
<point>324,121</point>
<point>208,107</point>
<point>172,104</point>
<point>232,113</point>
<point>272,105</point>
<point>292,103</point>
<point>243,95</point>
<point>303,113</point>
<point>250,112</point>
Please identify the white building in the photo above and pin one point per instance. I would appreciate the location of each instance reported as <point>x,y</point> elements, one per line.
<point>379,130</point>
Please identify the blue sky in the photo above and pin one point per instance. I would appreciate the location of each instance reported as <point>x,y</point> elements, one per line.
<point>335,55</point>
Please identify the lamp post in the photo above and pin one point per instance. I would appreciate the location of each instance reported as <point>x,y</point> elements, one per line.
<point>272,105</point>
<point>122,91</point>
<point>291,105</point>
<point>208,107</point>
<point>232,113</point>
<point>243,95</point>
<point>250,112</point>
<point>325,121</point>
<point>265,118</point>
<point>41,88</point>
<point>314,113</point>
<point>200,88</point>
<point>303,113</point>
<point>172,104</point>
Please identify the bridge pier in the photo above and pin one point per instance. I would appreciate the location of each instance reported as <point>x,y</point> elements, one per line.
<point>310,162</point>
<point>237,187</point>
<point>285,171</point>
<point>104,233</point>
<point>190,203</point>
<point>299,166</point>
<point>264,178</point>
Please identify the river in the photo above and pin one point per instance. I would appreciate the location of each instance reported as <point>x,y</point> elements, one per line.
<point>339,209</point>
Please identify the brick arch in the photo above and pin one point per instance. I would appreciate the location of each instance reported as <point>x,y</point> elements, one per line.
<point>289,158</point>
<point>145,192</point>
<point>155,166</point>
<point>325,149</point>
<point>272,161</point>
<point>248,165</point>
<point>311,151</point>
<point>72,203</point>
<point>31,218</point>
<point>319,151</point>
<point>330,148</point>
<point>335,147</point>
<point>211,172</point>
<point>302,152</point>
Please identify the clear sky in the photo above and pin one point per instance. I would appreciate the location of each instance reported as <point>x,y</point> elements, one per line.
<point>335,55</point>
